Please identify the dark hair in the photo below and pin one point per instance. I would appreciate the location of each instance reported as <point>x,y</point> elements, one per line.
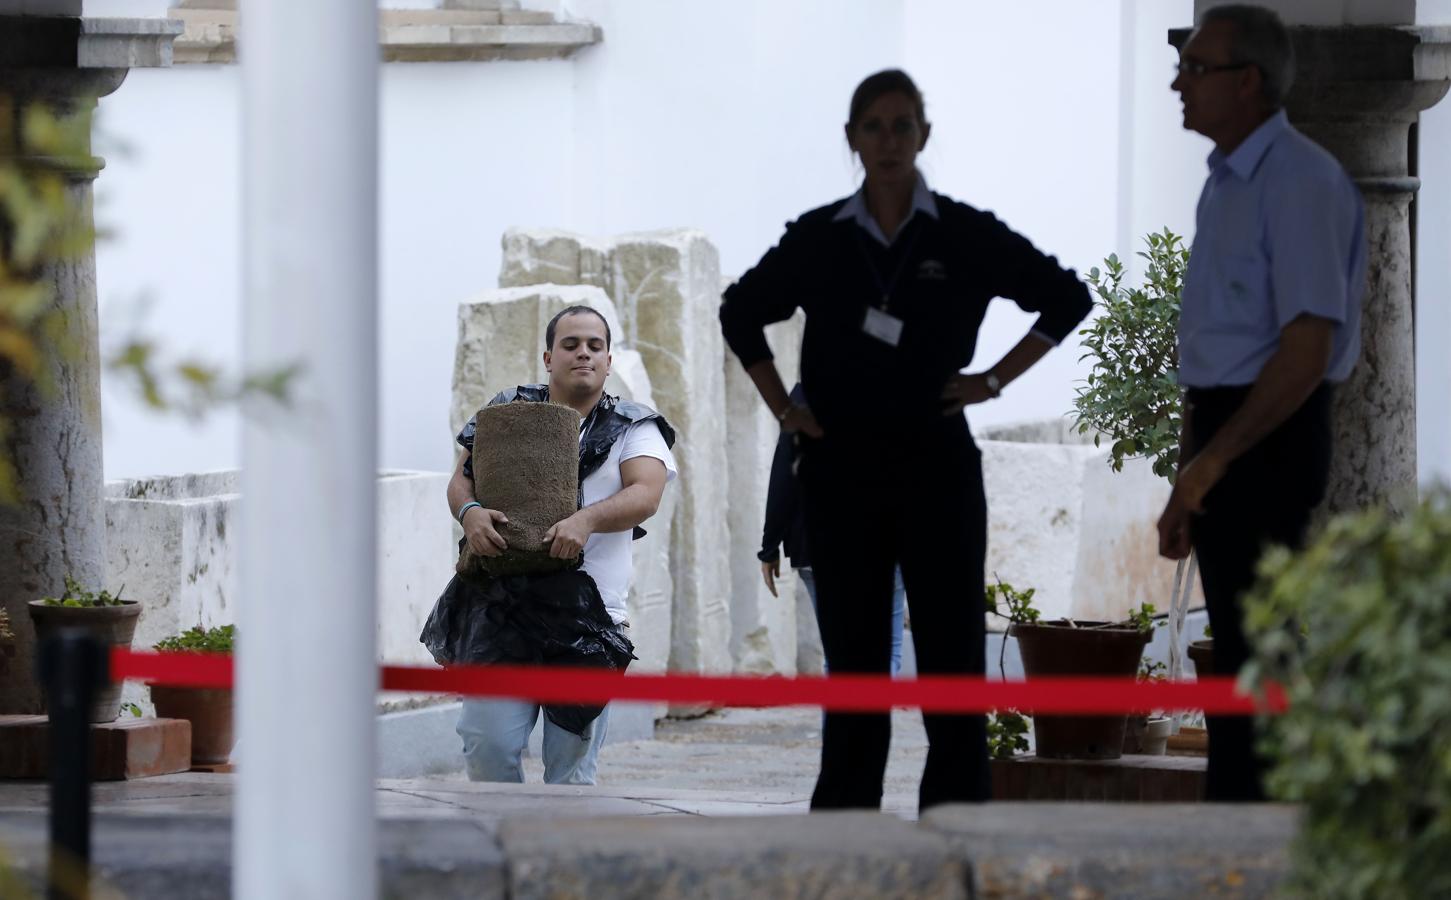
<point>573,311</point>
<point>1262,41</point>
<point>887,81</point>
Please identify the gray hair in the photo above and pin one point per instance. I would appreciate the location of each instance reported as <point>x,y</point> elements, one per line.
<point>1261,40</point>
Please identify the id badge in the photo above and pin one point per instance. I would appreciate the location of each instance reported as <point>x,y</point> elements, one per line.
<point>883,326</point>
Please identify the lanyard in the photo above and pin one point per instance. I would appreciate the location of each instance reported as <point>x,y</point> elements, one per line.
<point>886,288</point>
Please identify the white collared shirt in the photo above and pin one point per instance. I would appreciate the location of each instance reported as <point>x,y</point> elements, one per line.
<point>855,208</point>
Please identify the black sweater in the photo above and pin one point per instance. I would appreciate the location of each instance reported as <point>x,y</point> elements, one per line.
<point>951,267</point>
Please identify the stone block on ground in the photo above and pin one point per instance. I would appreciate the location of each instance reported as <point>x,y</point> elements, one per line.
<point>667,287</point>
<point>1060,520</point>
<point>837,855</point>
<point>1131,778</point>
<point>763,627</point>
<point>501,341</point>
<point>123,749</point>
<point>1025,850</point>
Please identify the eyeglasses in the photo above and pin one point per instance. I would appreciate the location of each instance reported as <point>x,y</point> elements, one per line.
<point>1195,69</point>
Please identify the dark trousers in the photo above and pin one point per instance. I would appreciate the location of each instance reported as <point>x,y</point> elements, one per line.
<point>866,512</point>
<point>1265,499</point>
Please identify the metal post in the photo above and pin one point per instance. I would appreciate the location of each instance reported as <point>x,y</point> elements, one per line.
<point>307,676</point>
<point>71,667</point>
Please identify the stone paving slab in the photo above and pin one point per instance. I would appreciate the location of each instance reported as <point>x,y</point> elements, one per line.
<point>1089,851</point>
<point>836,855</point>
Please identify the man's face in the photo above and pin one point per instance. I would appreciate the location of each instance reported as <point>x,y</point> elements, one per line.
<point>580,359</point>
<point>1217,99</point>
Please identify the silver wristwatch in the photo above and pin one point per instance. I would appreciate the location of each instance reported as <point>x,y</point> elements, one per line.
<point>994,386</point>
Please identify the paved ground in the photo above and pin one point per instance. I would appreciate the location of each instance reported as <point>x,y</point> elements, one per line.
<point>774,751</point>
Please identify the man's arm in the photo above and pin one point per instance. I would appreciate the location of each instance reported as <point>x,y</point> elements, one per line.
<point>479,524</point>
<point>642,480</point>
<point>1287,380</point>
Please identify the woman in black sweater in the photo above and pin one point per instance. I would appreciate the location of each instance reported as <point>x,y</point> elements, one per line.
<point>895,281</point>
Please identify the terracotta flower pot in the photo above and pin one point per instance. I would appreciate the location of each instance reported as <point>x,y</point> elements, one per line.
<point>209,710</point>
<point>1056,649</point>
<point>109,625</point>
<point>1202,653</point>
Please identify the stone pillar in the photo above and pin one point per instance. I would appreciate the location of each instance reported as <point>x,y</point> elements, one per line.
<point>1357,91</point>
<point>63,65</point>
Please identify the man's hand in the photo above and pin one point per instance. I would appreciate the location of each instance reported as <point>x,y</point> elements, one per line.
<point>962,391</point>
<point>771,571</point>
<point>1194,481</point>
<point>800,418</point>
<point>566,539</point>
<point>479,527</point>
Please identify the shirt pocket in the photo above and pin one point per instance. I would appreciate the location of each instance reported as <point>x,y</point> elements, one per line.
<point>1244,291</point>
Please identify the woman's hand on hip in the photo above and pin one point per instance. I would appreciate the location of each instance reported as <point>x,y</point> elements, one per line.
<point>800,418</point>
<point>963,391</point>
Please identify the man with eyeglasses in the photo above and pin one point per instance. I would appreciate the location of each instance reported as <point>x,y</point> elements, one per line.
<point>1270,323</point>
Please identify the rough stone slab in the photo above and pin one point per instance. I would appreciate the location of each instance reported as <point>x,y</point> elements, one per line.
<point>1131,778</point>
<point>841,855</point>
<point>763,627</point>
<point>501,342</point>
<point>126,748</point>
<point>1092,851</point>
<point>547,256</point>
<point>191,856</point>
<point>667,287</point>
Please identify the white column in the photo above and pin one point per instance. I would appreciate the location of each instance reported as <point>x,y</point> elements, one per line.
<point>307,672</point>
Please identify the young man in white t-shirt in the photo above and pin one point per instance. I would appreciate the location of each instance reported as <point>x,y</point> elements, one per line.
<point>619,492</point>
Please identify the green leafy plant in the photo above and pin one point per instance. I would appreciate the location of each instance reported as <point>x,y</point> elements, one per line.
<point>1151,670</point>
<point>77,596</point>
<point>197,639</point>
<point>1142,618</point>
<point>1007,729</point>
<point>1132,395</point>
<point>1357,630</point>
<point>132,708</point>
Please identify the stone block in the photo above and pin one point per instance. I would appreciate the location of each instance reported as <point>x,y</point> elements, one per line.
<point>763,627</point>
<point>126,748</point>
<point>167,541</point>
<point>1062,521</point>
<point>501,344</point>
<point>837,855</point>
<point>501,341</point>
<point>667,287</point>
<point>1023,850</point>
<point>1129,779</point>
<point>541,256</point>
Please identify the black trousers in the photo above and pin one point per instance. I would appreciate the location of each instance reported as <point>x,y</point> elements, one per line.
<point>1265,499</point>
<point>866,512</point>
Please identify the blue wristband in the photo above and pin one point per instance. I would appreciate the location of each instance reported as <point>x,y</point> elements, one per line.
<point>466,507</point>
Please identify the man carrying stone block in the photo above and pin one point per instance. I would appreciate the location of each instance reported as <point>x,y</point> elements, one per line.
<point>624,465</point>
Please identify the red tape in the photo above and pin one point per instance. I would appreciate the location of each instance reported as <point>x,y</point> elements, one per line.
<point>841,693</point>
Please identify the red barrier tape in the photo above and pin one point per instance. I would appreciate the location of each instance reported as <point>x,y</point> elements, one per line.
<point>842,693</point>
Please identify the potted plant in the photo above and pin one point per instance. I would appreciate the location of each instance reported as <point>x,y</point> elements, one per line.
<point>208,709</point>
<point>1357,631</point>
<point>1132,395</point>
<point>110,620</point>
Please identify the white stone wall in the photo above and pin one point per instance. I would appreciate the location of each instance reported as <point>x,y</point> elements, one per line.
<point>1060,520</point>
<point>170,543</point>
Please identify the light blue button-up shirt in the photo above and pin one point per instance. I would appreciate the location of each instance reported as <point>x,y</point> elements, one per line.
<point>1280,233</point>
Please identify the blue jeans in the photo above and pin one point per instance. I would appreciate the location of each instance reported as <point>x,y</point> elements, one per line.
<point>495,733</point>
<point>899,607</point>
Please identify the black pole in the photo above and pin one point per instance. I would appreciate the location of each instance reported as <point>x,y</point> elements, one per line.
<point>72,667</point>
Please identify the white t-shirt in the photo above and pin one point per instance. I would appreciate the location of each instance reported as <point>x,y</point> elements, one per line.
<point>607,556</point>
